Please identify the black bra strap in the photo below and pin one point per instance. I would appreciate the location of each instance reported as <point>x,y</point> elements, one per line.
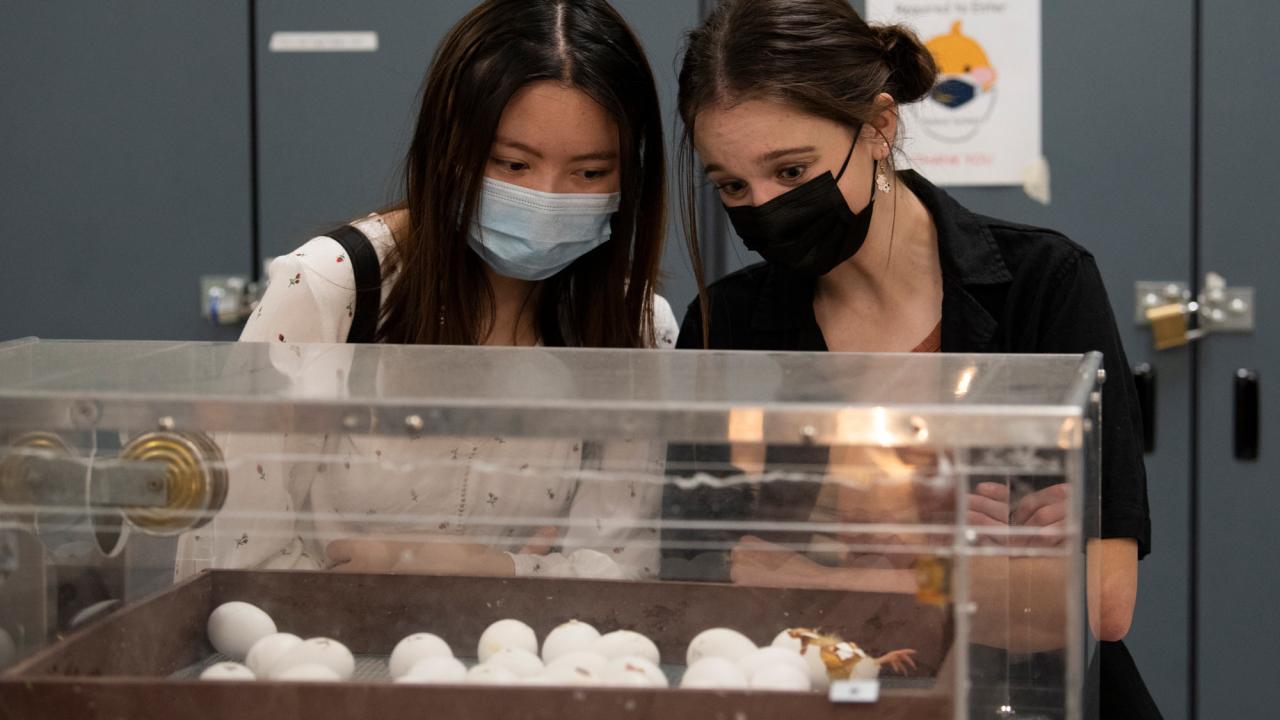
<point>368,274</point>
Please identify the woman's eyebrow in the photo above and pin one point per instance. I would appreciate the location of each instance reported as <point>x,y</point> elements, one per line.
<point>519,146</point>
<point>600,155</point>
<point>773,155</point>
<point>597,155</point>
<point>768,157</point>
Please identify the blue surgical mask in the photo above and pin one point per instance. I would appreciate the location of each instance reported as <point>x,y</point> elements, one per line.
<point>531,235</point>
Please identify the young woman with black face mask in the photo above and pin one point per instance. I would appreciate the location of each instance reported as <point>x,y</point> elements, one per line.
<point>792,108</point>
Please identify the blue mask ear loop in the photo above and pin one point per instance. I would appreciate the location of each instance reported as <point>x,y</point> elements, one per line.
<point>849,157</point>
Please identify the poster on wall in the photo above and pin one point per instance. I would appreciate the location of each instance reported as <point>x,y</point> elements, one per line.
<point>981,125</point>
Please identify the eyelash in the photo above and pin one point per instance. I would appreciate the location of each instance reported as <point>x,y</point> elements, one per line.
<point>731,188</point>
<point>735,188</point>
<point>802,169</point>
<point>512,166</point>
<point>515,166</point>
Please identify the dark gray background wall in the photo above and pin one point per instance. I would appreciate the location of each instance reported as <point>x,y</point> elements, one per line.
<point>125,175</point>
<point>124,164</point>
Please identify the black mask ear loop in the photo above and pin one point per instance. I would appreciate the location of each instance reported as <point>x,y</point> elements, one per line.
<point>849,157</point>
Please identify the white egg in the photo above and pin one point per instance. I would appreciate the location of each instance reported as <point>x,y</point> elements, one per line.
<point>437,670</point>
<point>521,662</point>
<point>569,674</point>
<point>819,674</point>
<point>780,677</point>
<point>619,678</point>
<point>235,626</point>
<point>634,672</point>
<point>316,651</point>
<point>418,646</point>
<point>866,669</point>
<point>506,634</point>
<point>8,649</point>
<point>721,643</point>
<point>592,662</point>
<point>623,643</point>
<point>264,653</point>
<point>772,656</point>
<point>785,640</point>
<point>227,671</point>
<point>308,672</point>
<point>572,636</point>
<point>491,675</point>
<point>714,673</point>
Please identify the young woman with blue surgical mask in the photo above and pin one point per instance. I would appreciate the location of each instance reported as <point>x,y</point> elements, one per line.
<point>534,208</point>
<point>533,215</point>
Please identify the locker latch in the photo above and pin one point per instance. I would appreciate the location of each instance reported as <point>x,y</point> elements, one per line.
<point>1177,320</point>
<point>228,299</point>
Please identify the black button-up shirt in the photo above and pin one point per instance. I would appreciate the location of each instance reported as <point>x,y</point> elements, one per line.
<point>1008,288</point>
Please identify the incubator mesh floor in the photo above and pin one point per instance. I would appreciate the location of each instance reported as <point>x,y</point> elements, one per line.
<point>373,669</point>
<point>369,668</point>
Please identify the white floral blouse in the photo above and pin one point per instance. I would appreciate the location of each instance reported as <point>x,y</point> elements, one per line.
<point>290,496</point>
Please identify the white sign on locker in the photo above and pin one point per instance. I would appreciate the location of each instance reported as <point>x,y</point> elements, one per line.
<point>325,42</point>
<point>981,124</point>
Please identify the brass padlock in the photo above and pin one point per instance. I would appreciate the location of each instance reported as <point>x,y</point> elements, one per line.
<point>1169,326</point>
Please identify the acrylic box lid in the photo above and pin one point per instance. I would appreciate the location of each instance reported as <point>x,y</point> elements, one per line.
<point>786,398</point>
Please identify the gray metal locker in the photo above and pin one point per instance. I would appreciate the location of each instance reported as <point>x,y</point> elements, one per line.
<point>1238,498</point>
<point>124,164</point>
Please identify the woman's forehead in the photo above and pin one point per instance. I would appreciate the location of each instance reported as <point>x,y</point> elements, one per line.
<point>557,120</point>
<point>751,132</point>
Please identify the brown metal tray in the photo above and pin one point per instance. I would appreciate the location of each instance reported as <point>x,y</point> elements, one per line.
<point>119,666</point>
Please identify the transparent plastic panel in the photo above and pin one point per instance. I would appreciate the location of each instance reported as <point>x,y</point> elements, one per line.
<point>542,392</point>
<point>913,524</point>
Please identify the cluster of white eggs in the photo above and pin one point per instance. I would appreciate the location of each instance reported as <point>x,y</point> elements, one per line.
<point>248,634</point>
<point>725,659</point>
<point>574,654</point>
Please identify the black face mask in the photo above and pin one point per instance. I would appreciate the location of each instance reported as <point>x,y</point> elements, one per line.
<point>809,230</point>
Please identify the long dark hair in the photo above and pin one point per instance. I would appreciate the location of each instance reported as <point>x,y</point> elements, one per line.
<point>605,299</point>
<point>818,56</point>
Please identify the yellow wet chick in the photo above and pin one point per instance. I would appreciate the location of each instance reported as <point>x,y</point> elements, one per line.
<point>844,659</point>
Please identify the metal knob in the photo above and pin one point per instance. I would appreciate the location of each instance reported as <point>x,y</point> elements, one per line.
<point>194,479</point>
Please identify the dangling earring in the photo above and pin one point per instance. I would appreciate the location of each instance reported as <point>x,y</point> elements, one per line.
<point>882,178</point>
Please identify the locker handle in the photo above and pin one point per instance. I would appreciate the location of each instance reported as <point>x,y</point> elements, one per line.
<point>1144,376</point>
<point>1246,415</point>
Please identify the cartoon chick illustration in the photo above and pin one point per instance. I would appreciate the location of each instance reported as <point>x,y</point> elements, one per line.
<point>963,67</point>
